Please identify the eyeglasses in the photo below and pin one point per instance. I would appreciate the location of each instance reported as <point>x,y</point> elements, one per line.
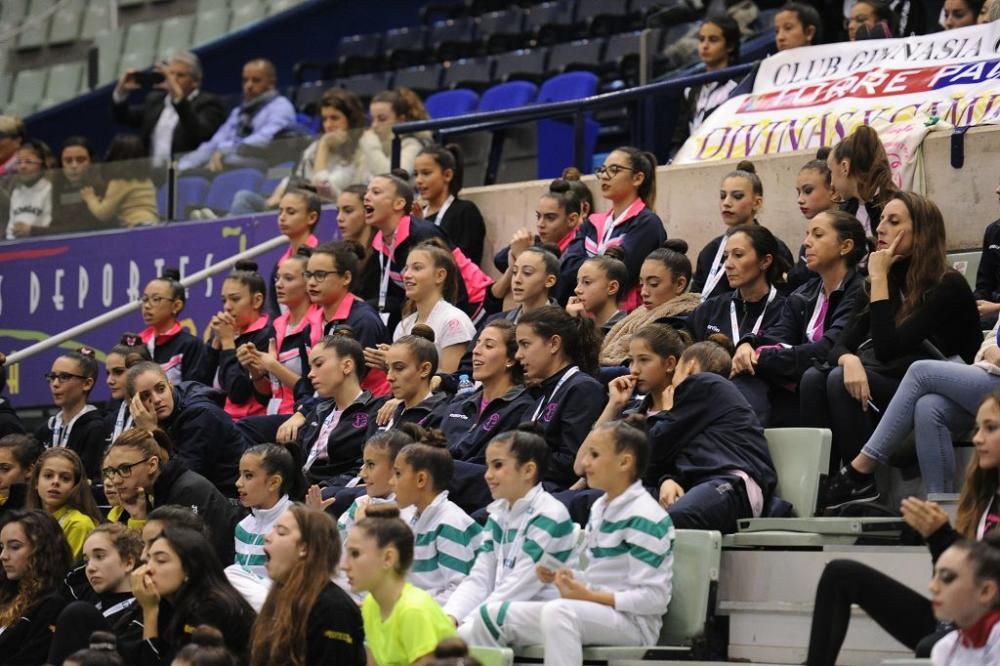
<point>319,276</point>
<point>63,377</point>
<point>124,470</point>
<point>611,170</point>
<point>155,300</point>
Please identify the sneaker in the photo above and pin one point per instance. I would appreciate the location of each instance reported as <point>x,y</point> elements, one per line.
<point>844,490</point>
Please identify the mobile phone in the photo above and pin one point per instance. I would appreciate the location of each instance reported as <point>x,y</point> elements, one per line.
<point>148,78</point>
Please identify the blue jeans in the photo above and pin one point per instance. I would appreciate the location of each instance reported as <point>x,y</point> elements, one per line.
<point>934,400</point>
<point>247,202</point>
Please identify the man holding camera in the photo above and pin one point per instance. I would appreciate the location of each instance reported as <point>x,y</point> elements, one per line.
<point>177,116</point>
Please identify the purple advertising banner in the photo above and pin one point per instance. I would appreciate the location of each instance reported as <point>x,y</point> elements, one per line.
<point>48,286</point>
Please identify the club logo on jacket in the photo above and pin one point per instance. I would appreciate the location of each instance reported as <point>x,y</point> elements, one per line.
<point>491,422</point>
<point>360,421</point>
<point>550,411</point>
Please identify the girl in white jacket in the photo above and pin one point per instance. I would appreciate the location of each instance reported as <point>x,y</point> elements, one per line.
<point>446,539</point>
<point>965,590</point>
<point>622,594</point>
<point>525,524</point>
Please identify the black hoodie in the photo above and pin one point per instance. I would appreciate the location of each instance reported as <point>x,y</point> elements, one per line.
<point>710,432</point>
<point>347,440</point>
<point>204,436</point>
<point>87,438</point>
<point>10,424</point>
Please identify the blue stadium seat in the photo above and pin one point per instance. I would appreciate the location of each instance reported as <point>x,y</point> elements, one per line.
<point>309,94</point>
<point>474,73</point>
<point>508,95</point>
<point>422,79</point>
<point>621,57</point>
<point>448,103</point>
<point>190,192</point>
<point>555,138</point>
<point>228,183</point>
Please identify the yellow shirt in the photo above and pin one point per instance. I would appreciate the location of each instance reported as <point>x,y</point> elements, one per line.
<point>413,629</point>
<point>76,526</point>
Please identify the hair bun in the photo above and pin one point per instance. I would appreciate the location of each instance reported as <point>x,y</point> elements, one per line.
<point>571,173</point>
<point>559,186</point>
<point>434,437</point>
<point>723,341</point>
<point>823,153</point>
<point>412,430</point>
<point>402,174</point>
<point>171,274</point>
<point>615,252</point>
<point>344,331</point>
<point>130,339</point>
<point>207,636</point>
<point>531,427</point>
<point>636,420</point>
<point>746,165</point>
<point>245,265</point>
<point>423,331</point>
<point>676,244</point>
<point>303,251</point>
<point>386,510</point>
<point>103,641</point>
<point>355,248</point>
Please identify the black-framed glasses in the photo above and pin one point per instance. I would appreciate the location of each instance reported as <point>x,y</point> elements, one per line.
<point>124,470</point>
<point>319,276</point>
<point>63,377</point>
<point>611,170</point>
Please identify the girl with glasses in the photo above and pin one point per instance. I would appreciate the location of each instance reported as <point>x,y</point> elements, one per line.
<point>77,425</point>
<point>31,198</point>
<point>179,353</point>
<point>141,468</point>
<point>628,182</point>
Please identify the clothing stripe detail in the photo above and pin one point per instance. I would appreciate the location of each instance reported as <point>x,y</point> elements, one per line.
<point>502,613</point>
<point>444,561</point>
<point>654,529</point>
<point>461,537</point>
<point>251,560</point>
<point>551,527</point>
<point>488,623</point>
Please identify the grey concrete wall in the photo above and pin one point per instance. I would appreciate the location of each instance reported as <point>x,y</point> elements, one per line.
<point>687,196</point>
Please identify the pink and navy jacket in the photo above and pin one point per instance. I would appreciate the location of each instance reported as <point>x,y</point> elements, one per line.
<point>180,354</point>
<point>637,233</point>
<point>289,344</point>
<point>242,398</point>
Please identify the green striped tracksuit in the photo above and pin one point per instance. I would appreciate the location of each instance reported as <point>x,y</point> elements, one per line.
<point>446,543</point>
<point>250,534</point>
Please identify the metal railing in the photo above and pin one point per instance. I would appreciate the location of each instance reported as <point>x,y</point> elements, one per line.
<point>641,120</point>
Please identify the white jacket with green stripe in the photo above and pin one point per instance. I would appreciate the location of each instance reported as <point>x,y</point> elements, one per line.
<point>250,534</point>
<point>446,543</point>
<point>514,539</point>
<point>629,545</point>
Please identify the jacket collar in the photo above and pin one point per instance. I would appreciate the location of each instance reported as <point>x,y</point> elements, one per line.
<point>268,515</point>
<point>402,233</point>
<point>503,508</point>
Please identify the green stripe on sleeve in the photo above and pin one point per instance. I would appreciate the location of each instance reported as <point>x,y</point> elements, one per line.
<point>654,529</point>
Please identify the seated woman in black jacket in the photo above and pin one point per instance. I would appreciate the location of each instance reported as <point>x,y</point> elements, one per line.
<point>767,366</point>
<point>36,557</point>
<point>204,436</point>
<point>754,267</point>
<point>709,459</point>
<point>180,587</point>
<point>913,307</point>
<point>139,466</point>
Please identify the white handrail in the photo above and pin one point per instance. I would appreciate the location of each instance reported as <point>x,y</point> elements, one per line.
<point>128,308</point>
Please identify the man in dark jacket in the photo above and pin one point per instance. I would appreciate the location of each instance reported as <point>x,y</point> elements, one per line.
<point>177,116</point>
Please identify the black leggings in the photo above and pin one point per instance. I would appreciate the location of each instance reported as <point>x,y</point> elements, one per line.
<point>898,609</point>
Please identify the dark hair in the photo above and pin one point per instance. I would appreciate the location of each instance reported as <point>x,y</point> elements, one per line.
<point>207,648</point>
<point>400,180</point>
<point>311,200</point>
<point>348,104</point>
<point>420,342</point>
<point>453,652</point>
<point>847,227</point>
<point>629,436</point>
<point>347,257</point>
<point>764,243</point>
<point>819,165</point>
<point>341,341</point>
<point>712,355</point>
<point>869,163</point>
<point>928,261</point>
<point>643,162</point>
<point>883,12</point>
<point>245,272</point>
<point>526,445</point>
<point>40,149</point>
<point>178,516</point>
<point>430,454</point>
<point>150,443</point>
<point>102,651</point>
<point>24,448</point>
<point>747,171</point>
<point>566,194</point>
<point>509,332</point>
<point>79,141</point>
<point>984,556</point>
<point>84,358</point>
<point>808,17</point>
<point>140,369</point>
<point>664,340</point>
<point>126,158</point>
<point>205,587</point>
<point>442,258</point>
<point>392,441</point>
<point>673,256</point>
<point>580,340</point>
<point>132,349</point>
<point>448,157</point>
<point>613,267</point>
<point>51,558</point>
<point>730,33</point>
<point>172,277</point>
<point>382,523</point>
<point>127,541</point>
<point>405,103</point>
<point>80,498</point>
<point>549,260</point>
<point>279,460</point>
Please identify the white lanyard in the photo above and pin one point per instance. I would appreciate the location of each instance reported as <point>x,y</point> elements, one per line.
<point>117,608</point>
<point>814,321</point>
<point>716,272</point>
<point>609,229</point>
<point>441,211</point>
<point>544,402</point>
<point>320,445</point>
<point>61,431</point>
<point>503,561</point>
<point>385,267</point>
<point>735,325</point>
<point>123,422</point>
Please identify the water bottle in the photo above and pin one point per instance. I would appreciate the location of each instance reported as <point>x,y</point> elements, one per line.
<point>465,386</point>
